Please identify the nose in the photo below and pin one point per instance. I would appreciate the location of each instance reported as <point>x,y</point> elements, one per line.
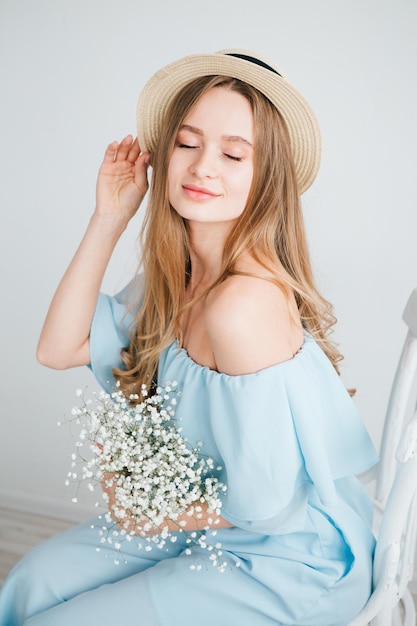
<point>204,163</point>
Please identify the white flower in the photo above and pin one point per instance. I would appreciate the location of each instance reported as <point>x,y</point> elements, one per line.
<point>157,476</point>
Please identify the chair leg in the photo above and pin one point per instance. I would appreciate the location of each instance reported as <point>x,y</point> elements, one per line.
<point>408,609</point>
<point>386,618</point>
<point>397,615</point>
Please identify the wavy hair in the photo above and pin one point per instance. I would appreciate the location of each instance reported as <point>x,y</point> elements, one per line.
<point>271,229</point>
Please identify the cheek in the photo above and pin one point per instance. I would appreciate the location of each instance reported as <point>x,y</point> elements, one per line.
<point>171,170</point>
<point>243,183</point>
<point>176,167</point>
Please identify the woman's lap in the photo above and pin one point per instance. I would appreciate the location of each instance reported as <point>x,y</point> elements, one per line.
<point>66,582</point>
<point>68,566</point>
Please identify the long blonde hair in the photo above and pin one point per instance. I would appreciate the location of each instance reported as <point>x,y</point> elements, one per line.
<point>271,229</point>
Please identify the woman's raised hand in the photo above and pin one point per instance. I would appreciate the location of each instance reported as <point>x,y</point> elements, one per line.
<point>121,186</point>
<point>122,180</point>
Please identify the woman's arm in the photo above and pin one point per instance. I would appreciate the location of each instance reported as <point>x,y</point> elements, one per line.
<point>196,518</point>
<point>121,186</point>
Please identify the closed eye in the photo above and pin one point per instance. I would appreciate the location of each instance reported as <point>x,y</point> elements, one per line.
<point>190,147</point>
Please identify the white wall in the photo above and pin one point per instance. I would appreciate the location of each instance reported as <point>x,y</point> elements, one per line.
<point>71,71</point>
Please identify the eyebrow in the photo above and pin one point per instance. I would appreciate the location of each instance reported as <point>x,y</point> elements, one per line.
<point>198,131</point>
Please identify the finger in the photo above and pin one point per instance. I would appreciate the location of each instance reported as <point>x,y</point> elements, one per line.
<point>134,151</point>
<point>143,161</point>
<point>124,148</point>
<point>97,447</point>
<point>141,169</point>
<point>111,152</point>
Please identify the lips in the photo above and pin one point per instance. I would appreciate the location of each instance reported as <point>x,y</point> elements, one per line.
<point>199,193</point>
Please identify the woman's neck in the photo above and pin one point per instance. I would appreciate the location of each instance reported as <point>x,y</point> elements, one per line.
<point>207,243</point>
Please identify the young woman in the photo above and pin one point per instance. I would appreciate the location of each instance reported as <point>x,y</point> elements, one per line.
<point>225,305</point>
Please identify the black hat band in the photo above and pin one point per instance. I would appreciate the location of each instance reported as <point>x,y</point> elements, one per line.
<point>253,60</point>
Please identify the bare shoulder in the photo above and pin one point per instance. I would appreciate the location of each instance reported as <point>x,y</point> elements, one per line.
<point>251,324</point>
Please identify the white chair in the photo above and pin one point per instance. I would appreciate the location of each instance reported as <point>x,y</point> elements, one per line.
<point>395,495</point>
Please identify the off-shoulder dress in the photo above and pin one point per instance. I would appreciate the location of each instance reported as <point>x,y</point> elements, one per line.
<point>290,442</point>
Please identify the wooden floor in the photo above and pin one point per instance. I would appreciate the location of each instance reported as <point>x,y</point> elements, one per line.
<point>21,531</point>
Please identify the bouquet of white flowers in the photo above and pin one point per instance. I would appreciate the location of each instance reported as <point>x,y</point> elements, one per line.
<point>155,474</point>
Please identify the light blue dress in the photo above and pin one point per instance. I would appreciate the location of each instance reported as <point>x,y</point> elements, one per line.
<point>290,441</point>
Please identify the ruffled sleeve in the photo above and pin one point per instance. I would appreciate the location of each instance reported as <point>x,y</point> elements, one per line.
<point>110,331</point>
<point>267,482</point>
<point>282,433</point>
<point>284,436</point>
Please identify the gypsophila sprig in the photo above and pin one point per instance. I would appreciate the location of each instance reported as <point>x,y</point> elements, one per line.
<point>156,476</point>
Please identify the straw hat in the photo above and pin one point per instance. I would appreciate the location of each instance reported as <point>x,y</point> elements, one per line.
<point>301,122</point>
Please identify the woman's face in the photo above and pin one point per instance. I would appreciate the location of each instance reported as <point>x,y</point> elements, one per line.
<point>211,168</point>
